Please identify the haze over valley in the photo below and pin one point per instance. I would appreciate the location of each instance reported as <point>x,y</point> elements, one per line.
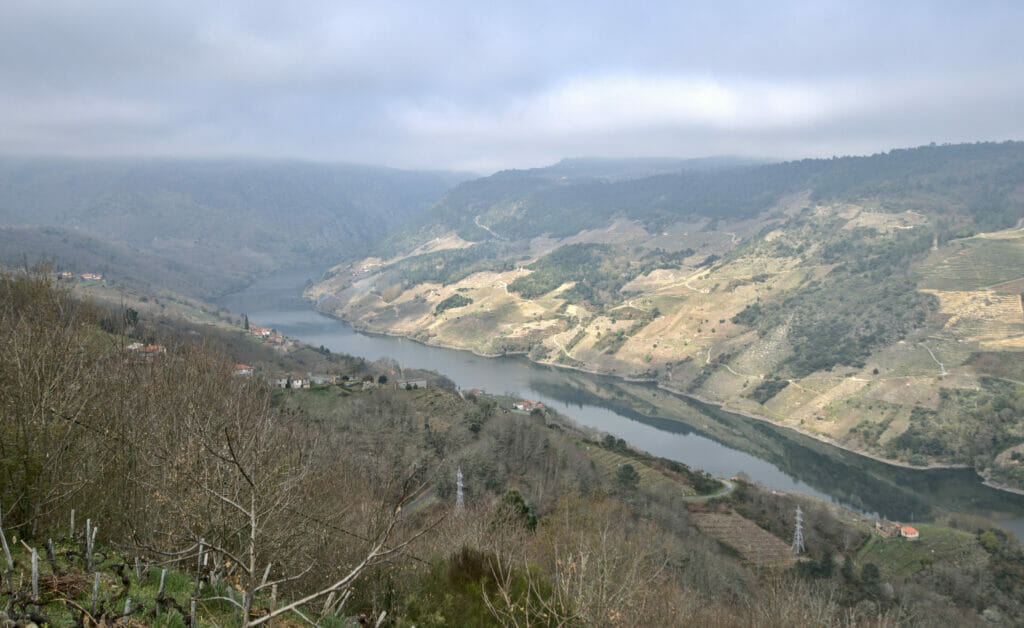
<point>442,314</point>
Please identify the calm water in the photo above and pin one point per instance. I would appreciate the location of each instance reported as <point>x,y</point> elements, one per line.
<point>671,426</point>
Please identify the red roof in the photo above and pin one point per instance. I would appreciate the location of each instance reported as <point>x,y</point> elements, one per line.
<point>907,530</point>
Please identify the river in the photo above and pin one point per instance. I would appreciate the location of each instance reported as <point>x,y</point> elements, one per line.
<point>668,425</point>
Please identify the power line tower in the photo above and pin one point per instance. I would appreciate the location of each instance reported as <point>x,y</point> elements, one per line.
<point>798,536</point>
<point>460,505</point>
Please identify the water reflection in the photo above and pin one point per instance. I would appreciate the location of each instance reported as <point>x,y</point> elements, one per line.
<point>667,425</point>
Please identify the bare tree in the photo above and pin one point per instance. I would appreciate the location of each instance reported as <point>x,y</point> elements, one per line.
<point>601,569</point>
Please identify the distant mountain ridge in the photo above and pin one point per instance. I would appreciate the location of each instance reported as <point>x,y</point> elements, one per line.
<point>617,169</point>
<point>528,203</point>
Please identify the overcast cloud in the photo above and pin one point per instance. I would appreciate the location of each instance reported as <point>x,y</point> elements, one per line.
<point>475,85</point>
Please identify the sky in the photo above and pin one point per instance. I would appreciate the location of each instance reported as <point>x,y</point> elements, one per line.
<point>482,86</point>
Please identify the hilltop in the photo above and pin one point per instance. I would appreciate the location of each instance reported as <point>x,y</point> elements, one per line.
<point>873,302</point>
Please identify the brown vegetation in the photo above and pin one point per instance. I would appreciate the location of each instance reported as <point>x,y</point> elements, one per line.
<point>315,491</point>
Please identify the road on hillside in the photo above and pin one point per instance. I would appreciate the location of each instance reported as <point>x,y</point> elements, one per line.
<point>729,487</point>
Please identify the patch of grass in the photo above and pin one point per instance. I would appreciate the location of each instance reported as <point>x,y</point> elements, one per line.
<point>937,545</point>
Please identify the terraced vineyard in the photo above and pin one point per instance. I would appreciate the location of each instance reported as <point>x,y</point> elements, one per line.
<point>650,479</point>
<point>757,546</point>
<point>977,263</point>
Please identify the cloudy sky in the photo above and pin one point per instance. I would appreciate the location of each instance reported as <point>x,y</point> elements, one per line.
<point>486,85</point>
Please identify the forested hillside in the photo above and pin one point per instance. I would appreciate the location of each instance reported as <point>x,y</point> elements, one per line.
<point>188,494</point>
<point>873,301</point>
<point>216,222</point>
<point>980,180</point>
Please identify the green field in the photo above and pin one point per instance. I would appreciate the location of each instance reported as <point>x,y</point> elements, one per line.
<point>903,557</point>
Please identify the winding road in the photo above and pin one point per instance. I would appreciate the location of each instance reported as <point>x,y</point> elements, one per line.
<point>941,365</point>
<point>476,221</point>
<point>730,486</point>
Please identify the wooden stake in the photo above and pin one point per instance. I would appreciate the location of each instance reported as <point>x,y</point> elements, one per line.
<point>160,591</point>
<point>3,540</point>
<point>72,524</point>
<point>192,620</point>
<point>92,545</point>
<point>51,555</point>
<point>95,592</point>
<point>87,549</point>
<point>199,569</point>
<point>273,598</point>
<point>35,574</point>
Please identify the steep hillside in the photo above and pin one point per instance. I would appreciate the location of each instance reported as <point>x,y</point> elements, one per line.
<point>872,301</point>
<point>167,489</point>
<point>218,221</point>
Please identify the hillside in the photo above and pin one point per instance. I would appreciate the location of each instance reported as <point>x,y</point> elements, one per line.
<point>213,224</point>
<point>873,302</point>
<point>166,490</point>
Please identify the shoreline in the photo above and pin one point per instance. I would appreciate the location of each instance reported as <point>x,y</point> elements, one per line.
<point>660,386</point>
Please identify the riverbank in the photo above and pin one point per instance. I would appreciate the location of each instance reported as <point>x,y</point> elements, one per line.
<point>817,436</point>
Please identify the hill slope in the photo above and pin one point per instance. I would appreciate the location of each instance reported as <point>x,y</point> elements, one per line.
<point>229,219</point>
<point>873,301</point>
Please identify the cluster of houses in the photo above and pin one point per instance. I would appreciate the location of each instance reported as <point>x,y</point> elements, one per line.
<point>528,405</point>
<point>292,380</point>
<point>67,275</point>
<point>301,380</point>
<point>891,529</point>
<point>146,351</point>
<point>266,334</point>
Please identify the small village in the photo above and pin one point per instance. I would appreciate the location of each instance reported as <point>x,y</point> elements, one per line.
<point>67,275</point>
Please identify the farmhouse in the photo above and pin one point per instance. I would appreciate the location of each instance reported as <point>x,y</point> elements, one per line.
<point>890,529</point>
<point>149,351</point>
<point>243,369</point>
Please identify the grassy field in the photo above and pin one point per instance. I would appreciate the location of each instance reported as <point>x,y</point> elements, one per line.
<point>902,557</point>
